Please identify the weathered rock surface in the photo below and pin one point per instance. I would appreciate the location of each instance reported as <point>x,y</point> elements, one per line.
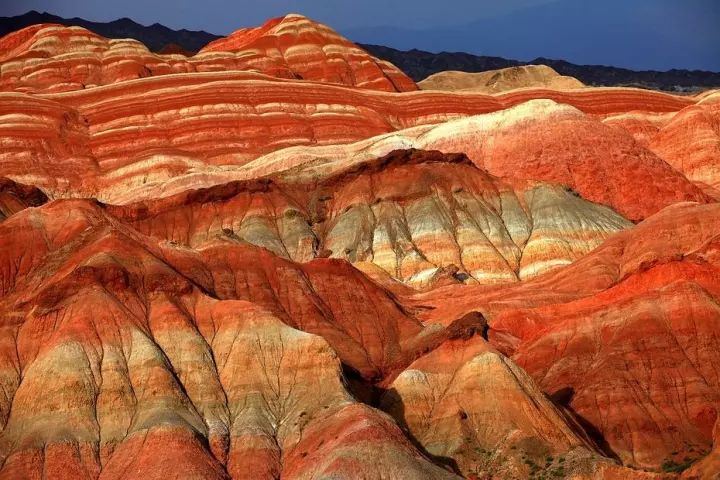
<point>624,337</point>
<point>410,213</point>
<point>502,80</point>
<point>110,141</point>
<point>15,197</point>
<point>466,403</point>
<point>52,58</point>
<point>230,268</point>
<point>294,46</point>
<point>690,142</point>
<point>538,140</point>
<point>151,367</point>
<point>708,466</point>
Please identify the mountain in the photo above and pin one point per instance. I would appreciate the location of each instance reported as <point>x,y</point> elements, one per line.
<point>502,80</point>
<point>419,65</point>
<point>290,47</point>
<point>277,258</point>
<point>635,34</point>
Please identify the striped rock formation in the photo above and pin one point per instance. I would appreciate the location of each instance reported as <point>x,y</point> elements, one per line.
<point>410,213</point>
<point>50,58</point>
<point>149,366</point>
<point>623,337</point>
<point>466,402</point>
<point>687,140</point>
<point>690,142</point>
<point>538,140</point>
<point>157,360</point>
<point>116,140</point>
<point>470,407</point>
<point>269,260</point>
<point>294,46</point>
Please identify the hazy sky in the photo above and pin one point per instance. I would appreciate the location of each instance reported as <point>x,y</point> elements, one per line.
<point>639,34</point>
<point>224,16</point>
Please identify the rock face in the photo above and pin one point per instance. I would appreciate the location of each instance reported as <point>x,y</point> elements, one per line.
<point>667,282</point>
<point>116,139</point>
<point>497,81</point>
<point>15,197</point>
<point>466,402</point>
<point>690,142</point>
<point>53,58</point>
<point>410,213</point>
<point>268,260</point>
<point>153,343</point>
<point>296,47</point>
<point>538,140</point>
<point>633,316</point>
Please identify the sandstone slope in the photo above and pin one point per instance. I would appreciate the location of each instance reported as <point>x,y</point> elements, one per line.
<point>52,58</point>
<point>411,213</point>
<point>502,80</point>
<point>624,337</point>
<point>123,357</point>
<point>272,260</point>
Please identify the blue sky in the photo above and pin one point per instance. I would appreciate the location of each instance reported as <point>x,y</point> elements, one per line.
<point>640,34</point>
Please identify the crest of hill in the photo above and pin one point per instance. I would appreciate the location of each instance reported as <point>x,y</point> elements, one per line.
<point>502,80</point>
<point>47,58</point>
<point>312,51</point>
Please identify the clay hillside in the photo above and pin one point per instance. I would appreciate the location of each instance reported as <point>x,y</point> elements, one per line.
<point>281,258</point>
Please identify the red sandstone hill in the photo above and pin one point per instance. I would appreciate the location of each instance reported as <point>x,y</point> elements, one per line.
<point>53,58</point>
<point>271,260</point>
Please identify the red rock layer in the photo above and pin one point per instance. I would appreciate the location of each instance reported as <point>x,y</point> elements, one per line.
<point>153,130</point>
<point>410,213</point>
<point>625,336</point>
<point>466,402</point>
<point>543,141</point>
<point>690,142</point>
<point>538,140</point>
<point>54,58</point>
<point>122,357</point>
<point>709,464</point>
<point>296,47</point>
<point>15,197</point>
<point>208,325</point>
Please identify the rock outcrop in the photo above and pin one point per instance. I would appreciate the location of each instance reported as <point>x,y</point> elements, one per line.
<point>294,46</point>
<point>152,346</point>
<point>622,337</point>
<point>272,260</point>
<point>15,197</point>
<point>690,142</point>
<point>497,81</point>
<point>466,403</point>
<point>410,213</point>
<point>49,58</point>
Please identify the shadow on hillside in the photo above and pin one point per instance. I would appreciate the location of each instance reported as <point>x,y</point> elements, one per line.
<point>563,397</point>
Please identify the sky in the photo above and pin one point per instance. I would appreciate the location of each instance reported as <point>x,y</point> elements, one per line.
<point>639,34</point>
<point>224,16</point>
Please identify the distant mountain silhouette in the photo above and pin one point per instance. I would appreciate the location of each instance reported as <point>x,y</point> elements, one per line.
<point>632,34</point>
<point>417,64</point>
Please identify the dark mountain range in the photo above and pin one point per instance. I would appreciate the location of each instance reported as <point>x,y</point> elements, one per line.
<point>417,64</point>
<point>632,34</point>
